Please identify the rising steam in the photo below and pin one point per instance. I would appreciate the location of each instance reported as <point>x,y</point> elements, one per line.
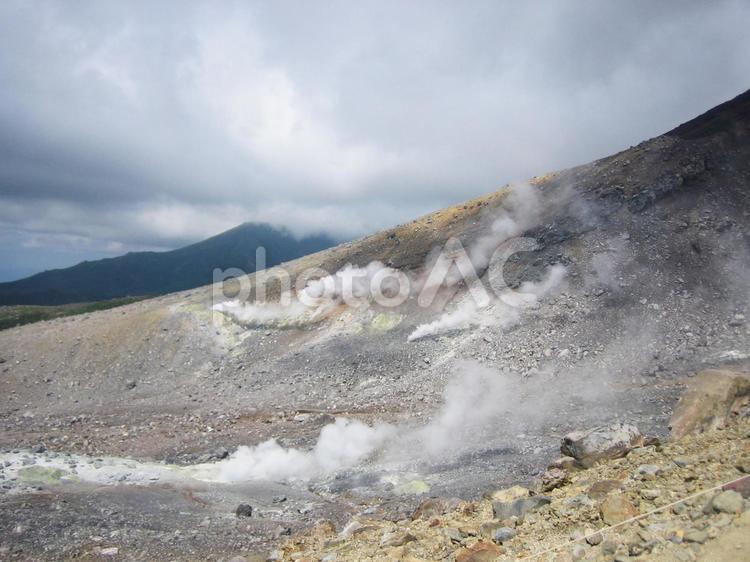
<point>470,401</point>
<point>503,312</point>
<point>266,314</point>
<point>341,444</point>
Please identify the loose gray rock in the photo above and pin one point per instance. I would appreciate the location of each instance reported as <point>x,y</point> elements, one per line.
<point>244,510</point>
<point>396,539</point>
<point>503,534</point>
<point>606,442</point>
<point>453,534</point>
<point>594,539</point>
<point>578,552</point>
<point>682,462</point>
<point>728,502</point>
<point>609,547</point>
<point>696,536</point>
<point>518,508</point>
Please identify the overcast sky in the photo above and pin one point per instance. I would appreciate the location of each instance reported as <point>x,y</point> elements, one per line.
<point>148,125</point>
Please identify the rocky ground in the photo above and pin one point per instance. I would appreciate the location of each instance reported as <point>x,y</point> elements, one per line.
<point>655,249</point>
<point>682,500</point>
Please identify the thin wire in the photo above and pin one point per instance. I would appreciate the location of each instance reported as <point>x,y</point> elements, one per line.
<point>627,521</point>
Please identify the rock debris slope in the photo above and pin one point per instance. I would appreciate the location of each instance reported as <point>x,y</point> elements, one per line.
<point>638,278</point>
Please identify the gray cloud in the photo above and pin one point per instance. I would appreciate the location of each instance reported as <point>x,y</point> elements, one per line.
<point>142,124</point>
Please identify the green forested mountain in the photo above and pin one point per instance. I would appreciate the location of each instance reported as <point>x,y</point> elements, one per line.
<point>154,273</point>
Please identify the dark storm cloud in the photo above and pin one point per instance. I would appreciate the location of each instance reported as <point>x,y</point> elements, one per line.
<point>149,124</point>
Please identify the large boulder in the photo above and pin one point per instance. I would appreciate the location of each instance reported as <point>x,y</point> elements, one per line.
<point>606,442</point>
<point>709,400</point>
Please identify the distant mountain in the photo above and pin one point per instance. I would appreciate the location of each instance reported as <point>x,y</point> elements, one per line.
<point>155,273</point>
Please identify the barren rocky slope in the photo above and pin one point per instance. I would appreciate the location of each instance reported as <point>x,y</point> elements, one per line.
<point>680,501</point>
<point>653,241</point>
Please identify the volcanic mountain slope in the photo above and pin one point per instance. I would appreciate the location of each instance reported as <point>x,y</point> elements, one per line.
<point>157,273</point>
<point>638,276</point>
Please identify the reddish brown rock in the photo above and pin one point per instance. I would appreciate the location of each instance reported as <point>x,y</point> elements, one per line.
<point>708,401</point>
<point>553,478</point>
<point>480,552</point>
<point>434,507</point>
<point>563,463</point>
<point>603,488</point>
<point>616,509</point>
<point>742,486</point>
<point>396,539</point>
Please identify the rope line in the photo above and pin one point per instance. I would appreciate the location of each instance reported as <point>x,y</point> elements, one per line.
<point>632,519</point>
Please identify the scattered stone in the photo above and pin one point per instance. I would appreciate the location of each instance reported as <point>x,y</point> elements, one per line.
<point>722,521</point>
<point>647,471</point>
<point>281,531</point>
<point>351,528</point>
<point>130,385</point>
<point>602,488</point>
<point>696,536</point>
<point>453,534</point>
<point>518,508</point>
<point>244,510</point>
<point>553,478</point>
<point>488,528</point>
<point>682,462</point>
<point>109,551</point>
<point>434,507</point>
<point>594,538</point>
<point>503,534</point>
<point>684,555</point>
<point>737,320</point>
<point>650,494</point>
<point>581,500</point>
<point>509,494</point>
<point>396,539</point>
<point>220,454</point>
<point>563,463</point>
<point>480,552</point>
<point>616,509</point>
<point>305,509</point>
<point>606,442</point>
<point>728,501</point>
<point>609,546</point>
<point>578,552</point>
